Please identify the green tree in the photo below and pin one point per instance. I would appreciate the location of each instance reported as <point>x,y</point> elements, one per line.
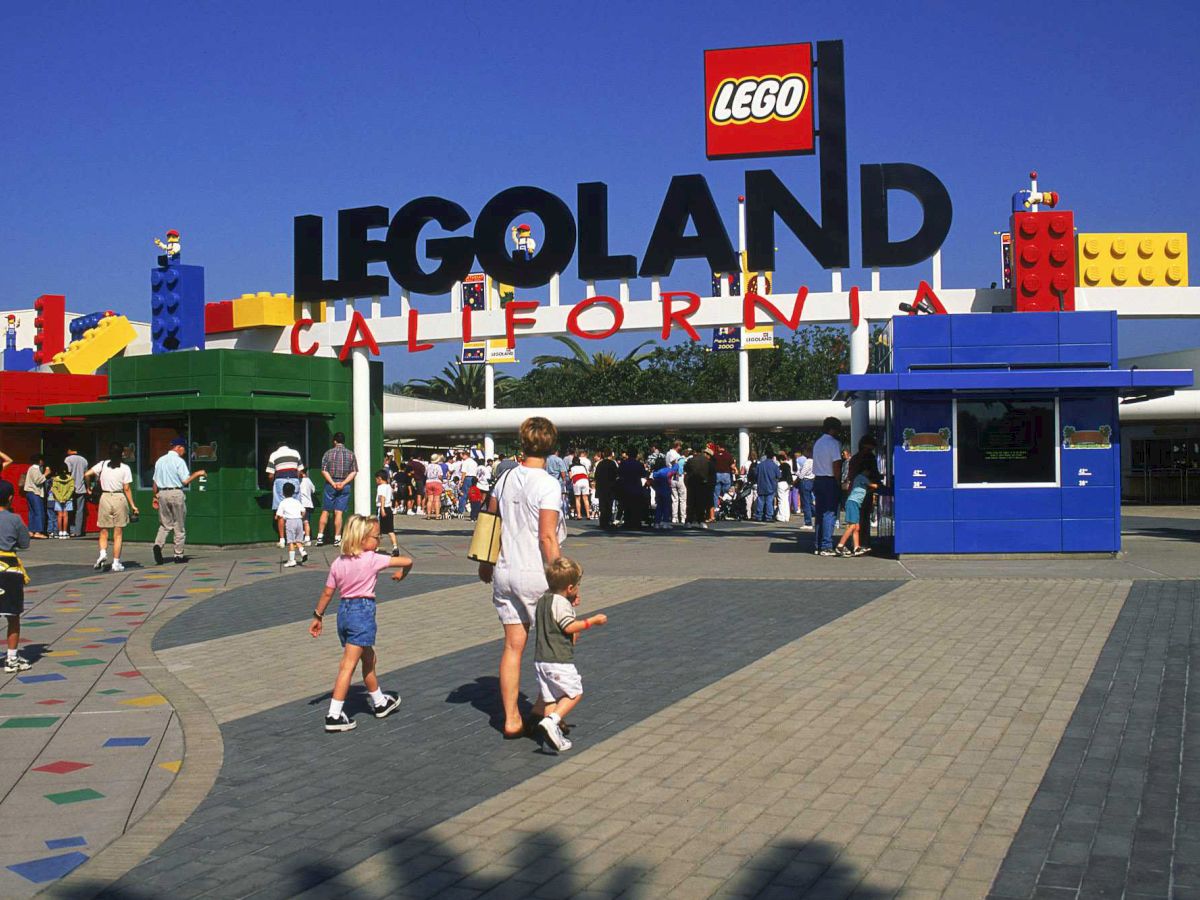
<point>457,384</point>
<point>589,365</point>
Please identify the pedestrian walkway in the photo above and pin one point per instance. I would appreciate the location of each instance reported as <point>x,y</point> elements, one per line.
<point>1020,730</point>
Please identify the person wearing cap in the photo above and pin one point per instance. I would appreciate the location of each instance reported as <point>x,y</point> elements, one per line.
<point>171,247</point>
<point>171,476</point>
<point>521,235</point>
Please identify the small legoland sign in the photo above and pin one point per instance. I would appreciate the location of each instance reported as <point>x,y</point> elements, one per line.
<point>759,101</point>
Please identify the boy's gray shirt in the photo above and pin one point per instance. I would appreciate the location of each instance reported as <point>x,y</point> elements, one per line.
<point>554,613</point>
<point>13,533</point>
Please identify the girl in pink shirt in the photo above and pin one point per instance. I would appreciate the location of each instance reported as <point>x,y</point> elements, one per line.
<point>353,576</point>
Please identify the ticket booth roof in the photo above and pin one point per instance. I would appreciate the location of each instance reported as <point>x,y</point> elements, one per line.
<point>152,403</point>
<point>1122,381</point>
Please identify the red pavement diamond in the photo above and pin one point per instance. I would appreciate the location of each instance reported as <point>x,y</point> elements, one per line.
<point>62,767</point>
<point>132,673</point>
<point>50,702</point>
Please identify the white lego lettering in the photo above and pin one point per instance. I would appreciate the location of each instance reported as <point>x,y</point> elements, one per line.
<point>759,99</point>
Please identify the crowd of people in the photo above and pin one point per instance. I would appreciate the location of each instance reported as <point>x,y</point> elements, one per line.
<point>680,487</point>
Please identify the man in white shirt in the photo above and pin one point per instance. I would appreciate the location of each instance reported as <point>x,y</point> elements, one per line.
<point>674,453</point>
<point>827,470</point>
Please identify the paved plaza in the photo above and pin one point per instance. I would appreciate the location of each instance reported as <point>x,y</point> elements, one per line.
<point>757,722</point>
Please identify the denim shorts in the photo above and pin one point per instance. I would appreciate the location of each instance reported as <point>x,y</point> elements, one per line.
<point>336,500</point>
<point>853,512</point>
<point>356,621</point>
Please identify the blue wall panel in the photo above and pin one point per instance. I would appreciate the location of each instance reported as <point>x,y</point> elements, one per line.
<point>1034,536</point>
<point>1025,354</point>
<point>926,537</point>
<point>924,506</point>
<point>1090,535</point>
<point>990,330</point>
<point>1087,353</point>
<point>921,331</point>
<point>904,358</point>
<point>1004,504</point>
<point>1089,503</point>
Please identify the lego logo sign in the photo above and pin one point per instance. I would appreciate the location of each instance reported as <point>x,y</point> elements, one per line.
<point>759,101</point>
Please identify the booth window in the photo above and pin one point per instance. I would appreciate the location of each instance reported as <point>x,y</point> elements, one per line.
<point>1006,443</point>
<point>154,439</point>
<point>270,431</point>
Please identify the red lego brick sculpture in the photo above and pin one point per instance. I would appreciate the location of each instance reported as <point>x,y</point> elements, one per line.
<point>218,317</point>
<point>1043,261</point>
<point>50,327</point>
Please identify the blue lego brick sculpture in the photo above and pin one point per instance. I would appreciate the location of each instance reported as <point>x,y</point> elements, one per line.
<point>18,360</point>
<point>78,326</point>
<point>176,307</point>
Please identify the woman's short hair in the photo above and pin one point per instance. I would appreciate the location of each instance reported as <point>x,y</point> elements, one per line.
<point>538,436</point>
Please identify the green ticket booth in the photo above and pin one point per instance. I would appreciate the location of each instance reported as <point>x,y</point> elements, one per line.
<point>233,407</point>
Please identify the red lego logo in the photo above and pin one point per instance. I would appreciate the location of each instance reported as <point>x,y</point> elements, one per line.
<point>758,101</point>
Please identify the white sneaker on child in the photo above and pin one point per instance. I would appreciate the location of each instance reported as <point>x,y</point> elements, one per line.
<point>554,733</point>
<point>290,564</point>
<point>117,567</point>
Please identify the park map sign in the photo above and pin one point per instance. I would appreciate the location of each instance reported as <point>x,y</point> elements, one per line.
<point>758,102</point>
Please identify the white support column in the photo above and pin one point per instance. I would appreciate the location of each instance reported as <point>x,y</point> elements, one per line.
<point>860,407</point>
<point>743,397</point>
<point>655,291</point>
<point>555,295</point>
<point>835,281</point>
<point>456,297</point>
<point>405,303</point>
<point>590,289</point>
<point>360,374</point>
<point>376,303</point>
<point>743,447</point>
<point>489,402</point>
<point>623,292</point>
<point>875,281</point>
<point>937,271</point>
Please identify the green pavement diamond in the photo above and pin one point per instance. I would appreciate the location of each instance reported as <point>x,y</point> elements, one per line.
<point>10,696</point>
<point>74,796</point>
<point>29,722</point>
<point>81,662</point>
<point>35,624</point>
<point>111,691</point>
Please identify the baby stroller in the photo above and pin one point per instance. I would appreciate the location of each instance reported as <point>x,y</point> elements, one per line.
<point>449,507</point>
<point>733,503</point>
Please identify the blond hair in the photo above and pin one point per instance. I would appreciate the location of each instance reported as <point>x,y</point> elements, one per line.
<point>538,436</point>
<point>562,573</point>
<point>355,532</point>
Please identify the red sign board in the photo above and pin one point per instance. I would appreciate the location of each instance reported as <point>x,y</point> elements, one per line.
<point>758,101</point>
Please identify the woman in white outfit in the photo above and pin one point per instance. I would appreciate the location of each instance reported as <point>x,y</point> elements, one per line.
<point>529,502</point>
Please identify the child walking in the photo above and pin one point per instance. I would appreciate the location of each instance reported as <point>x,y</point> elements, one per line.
<point>62,490</point>
<point>306,500</point>
<point>383,506</point>
<point>353,575</point>
<point>554,658</point>
<point>291,510</point>
<point>13,578</point>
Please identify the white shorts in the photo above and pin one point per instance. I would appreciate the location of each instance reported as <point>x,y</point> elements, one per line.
<point>557,680</point>
<point>581,487</point>
<point>515,594</point>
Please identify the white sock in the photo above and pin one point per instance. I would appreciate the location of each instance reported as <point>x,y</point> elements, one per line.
<point>291,556</point>
<point>12,654</point>
<point>103,554</point>
<point>335,708</point>
<point>554,717</point>
<point>377,698</point>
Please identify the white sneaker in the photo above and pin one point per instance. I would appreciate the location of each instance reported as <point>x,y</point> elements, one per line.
<point>303,556</point>
<point>117,567</point>
<point>554,734</point>
<point>100,561</point>
<point>337,541</point>
<point>410,513</point>
<point>308,542</point>
<point>290,564</point>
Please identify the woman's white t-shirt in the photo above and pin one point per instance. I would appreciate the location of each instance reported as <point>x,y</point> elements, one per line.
<point>522,494</point>
<point>112,479</point>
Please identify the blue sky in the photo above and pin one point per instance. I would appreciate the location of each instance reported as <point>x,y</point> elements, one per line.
<point>225,121</point>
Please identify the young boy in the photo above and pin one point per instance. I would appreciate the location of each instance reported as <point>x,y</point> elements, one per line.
<point>383,505</point>
<point>306,500</point>
<point>291,510</point>
<point>13,536</point>
<point>554,658</point>
<point>854,501</point>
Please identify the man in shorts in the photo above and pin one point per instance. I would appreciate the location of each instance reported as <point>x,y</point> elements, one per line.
<point>338,468</point>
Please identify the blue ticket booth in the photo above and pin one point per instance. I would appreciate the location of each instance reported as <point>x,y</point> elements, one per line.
<point>1003,430</point>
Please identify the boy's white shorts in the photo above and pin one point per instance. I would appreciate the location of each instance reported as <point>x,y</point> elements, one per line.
<point>557,680</point>
<point>293,530</point>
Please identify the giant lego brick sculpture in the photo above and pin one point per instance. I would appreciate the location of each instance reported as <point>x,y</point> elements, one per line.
<point>50,326</point>
<point>176,307</point>
<point>98,345</point>
<point>1043,261</point>
<point>260,310</point>
<point>82,324</point>
<point>1132,260</point>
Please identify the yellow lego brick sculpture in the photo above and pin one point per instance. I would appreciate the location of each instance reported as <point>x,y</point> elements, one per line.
<point>98,345</point>
<point>267,309</point>
<point>1131,260</point>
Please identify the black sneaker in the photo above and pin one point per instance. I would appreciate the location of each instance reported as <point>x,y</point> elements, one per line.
<point>158,557</point>
<point>303,555</point>
<point>320,539</point>
<point>842,550</point>
<point>391,703</point>
<point>181,559</point>
<point>338,723</point>
<point>395,551</point>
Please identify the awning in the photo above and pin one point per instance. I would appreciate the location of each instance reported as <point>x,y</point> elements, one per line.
<point>1122,381</point>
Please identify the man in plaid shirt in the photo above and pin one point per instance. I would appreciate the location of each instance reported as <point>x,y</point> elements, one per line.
<point>338,466</point>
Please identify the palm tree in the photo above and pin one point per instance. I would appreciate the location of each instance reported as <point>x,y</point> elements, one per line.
<point>594,364</point>
<point>457,384</point>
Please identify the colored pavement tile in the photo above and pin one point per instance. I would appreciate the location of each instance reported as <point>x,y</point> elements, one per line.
<point>38,679</point>
<point>29,722</point>
<point>64,843</point>
<point>126,742</point>
<point>76,796</point>
<point>51,868</point>
<point>172,766</point>
<point>81,662</point>
<point>132,673</point>
<point>148,700</point>
<point>62,767</point>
